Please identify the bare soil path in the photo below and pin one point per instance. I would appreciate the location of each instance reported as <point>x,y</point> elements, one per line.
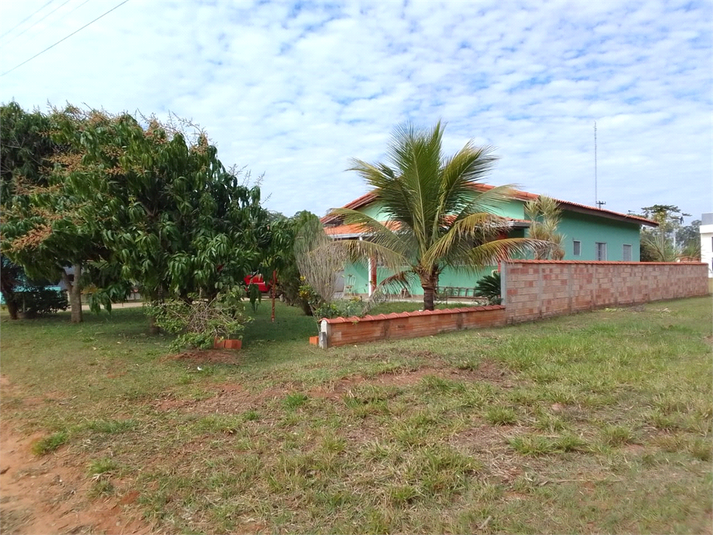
<point>49,495</point>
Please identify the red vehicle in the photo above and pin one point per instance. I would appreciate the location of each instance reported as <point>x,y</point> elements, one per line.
<point>257,280</point>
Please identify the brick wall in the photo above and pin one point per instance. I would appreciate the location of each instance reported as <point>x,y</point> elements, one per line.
<point>538,289</point>
<point>343,331</point>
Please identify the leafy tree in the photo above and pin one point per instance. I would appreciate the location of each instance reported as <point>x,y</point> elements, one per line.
<point>24,148</point>
<point>688,239</point>
<point>167,211</point>
<point>659,244</point>
<point>436,218</point>
<point>279,256</point>
<point>41,227</point>
<point>545,216</point>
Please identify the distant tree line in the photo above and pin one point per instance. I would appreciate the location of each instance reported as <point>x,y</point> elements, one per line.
<point>671,240</point>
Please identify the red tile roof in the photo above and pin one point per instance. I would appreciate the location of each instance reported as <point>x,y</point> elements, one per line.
<point>575,207</point>
<point>525,196</point>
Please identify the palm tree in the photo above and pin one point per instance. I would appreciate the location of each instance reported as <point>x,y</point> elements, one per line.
<point>545,215</point>
<point>436,218</point>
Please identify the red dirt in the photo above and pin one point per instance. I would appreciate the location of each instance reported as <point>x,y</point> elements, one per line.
<point>49,494</point>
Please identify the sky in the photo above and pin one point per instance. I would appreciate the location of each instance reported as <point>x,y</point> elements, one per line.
<point>292,91</point>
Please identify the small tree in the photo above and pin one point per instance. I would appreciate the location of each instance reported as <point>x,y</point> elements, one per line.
<point>545,215</point>
<point>166,209</point>
<point>436,217</point>
<point>319,259</point>
<point>43,229</point>
<point>659,244</point>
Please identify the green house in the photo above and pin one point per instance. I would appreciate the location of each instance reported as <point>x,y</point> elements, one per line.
<point>591,234</point>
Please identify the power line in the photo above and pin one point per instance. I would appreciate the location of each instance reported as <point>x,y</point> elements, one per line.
<point>64,38</point>
<point>23,21</point>
<point>34,24</point>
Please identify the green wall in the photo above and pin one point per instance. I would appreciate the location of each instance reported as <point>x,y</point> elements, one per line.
<point>587,229</point>
<point>356,276</point>
<point>590,229</point>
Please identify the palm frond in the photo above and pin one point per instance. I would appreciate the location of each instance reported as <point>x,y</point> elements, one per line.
<point>401,280</point>
<point>487,201</point>
<point>463,235</point>
<point>361,250</point>
<point>390,235</point>
<point>491,253</point>
<point>459,173</point>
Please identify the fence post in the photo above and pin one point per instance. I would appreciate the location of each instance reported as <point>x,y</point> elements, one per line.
<point>324,334</point>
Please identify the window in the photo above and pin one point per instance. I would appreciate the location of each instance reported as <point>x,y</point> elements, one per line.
<point>626,253</point>
<point>576,248</point>
<point>601,251</point>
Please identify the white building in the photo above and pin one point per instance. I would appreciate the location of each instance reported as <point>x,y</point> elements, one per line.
<point>707,242</point>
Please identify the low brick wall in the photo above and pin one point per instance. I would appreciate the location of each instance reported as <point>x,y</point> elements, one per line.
<point>535,289</point>
<point>354,330</point>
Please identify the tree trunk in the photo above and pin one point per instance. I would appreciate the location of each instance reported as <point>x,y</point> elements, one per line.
<point>75,294</point>
<point>429,293</point>
<point>155,297</point>
<point>153,328</point>
<point>11,305</point>
<point>429,285</point>
<point>8,283</point>
<point>274,283</point>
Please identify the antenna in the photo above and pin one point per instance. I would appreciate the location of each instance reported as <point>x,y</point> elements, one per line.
<point>596,196</point>
<point>596,193</point>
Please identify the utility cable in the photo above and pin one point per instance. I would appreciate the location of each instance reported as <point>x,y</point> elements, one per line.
<point>34,24</point>
<point>64,38</point>
<point>23,21</point>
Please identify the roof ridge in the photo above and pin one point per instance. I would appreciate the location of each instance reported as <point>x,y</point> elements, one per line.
<point>521,195</point>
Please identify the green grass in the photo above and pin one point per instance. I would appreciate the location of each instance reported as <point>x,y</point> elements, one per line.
<point>49,444</point>
<point>598,422</point>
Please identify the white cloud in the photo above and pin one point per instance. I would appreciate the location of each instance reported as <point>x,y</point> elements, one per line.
<point>295,90</point>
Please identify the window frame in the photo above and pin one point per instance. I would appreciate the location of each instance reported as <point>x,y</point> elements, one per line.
<point>576,248</point>
<point>624,251</point>
<point>597,248</point>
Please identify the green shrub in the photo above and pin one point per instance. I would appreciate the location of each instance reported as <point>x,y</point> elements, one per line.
<point>40,301</point>
<point>200,321</point>
<point>489,286</point>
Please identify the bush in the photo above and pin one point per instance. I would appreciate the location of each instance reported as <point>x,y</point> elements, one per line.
<point>341,308</point>
<point>200,321</point>
<point>320,308</point>
<point>39,301</point>
<point>489,286</point>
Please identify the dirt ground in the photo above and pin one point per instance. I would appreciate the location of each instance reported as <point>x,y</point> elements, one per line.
<point>49,494</point>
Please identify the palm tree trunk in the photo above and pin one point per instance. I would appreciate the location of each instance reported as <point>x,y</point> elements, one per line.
<point>429,285</point>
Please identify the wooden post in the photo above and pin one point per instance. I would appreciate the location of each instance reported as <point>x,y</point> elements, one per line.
<point>274,281</point>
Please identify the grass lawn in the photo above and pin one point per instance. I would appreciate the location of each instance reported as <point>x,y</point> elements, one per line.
<point>593,423</point>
